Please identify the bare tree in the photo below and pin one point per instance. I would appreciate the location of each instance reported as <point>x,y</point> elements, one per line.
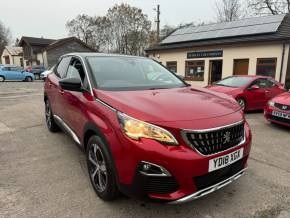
<point>130,29</point>
<point>81,27</point>
<point>228,10</point>
<point>265,7</point>
<point>124,30</point>
<point>5,37</point>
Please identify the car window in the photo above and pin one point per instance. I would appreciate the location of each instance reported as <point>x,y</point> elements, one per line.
<point>263,83</point>
<point>15,69</point>
<point>76,70</point>
<point>62,67</point>
<point>131,73</point>
<point>234,81</point>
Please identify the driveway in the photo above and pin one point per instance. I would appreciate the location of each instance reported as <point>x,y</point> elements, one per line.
<point>44,174</point>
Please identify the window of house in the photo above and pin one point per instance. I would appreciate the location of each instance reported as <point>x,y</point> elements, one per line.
<point>172,66</point>
<point>194,70</point>
<point>21,62</point>
<point>266,66</point>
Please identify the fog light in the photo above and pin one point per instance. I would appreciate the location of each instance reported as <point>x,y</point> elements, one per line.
<point>150,169</point>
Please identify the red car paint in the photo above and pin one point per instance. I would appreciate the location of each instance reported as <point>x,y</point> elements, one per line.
<point>281,105</point>
<point>255,99</point>
<point>173,109</point>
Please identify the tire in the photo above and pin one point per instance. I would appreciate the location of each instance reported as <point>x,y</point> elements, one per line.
<point>50,123</point>
<point>2,78</point>
<point>100,168</point>
<point>242,103</point>
<point>28,79</point>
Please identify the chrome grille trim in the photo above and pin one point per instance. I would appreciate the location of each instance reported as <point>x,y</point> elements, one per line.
<point>216,142</point>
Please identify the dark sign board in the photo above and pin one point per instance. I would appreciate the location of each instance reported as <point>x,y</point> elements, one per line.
<point>205,54</point>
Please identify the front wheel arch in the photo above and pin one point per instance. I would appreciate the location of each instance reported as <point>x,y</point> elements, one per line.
<point>90,130</point>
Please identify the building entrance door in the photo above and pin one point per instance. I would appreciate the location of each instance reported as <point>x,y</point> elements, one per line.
<point>241,66</point>
<point>215,70</point>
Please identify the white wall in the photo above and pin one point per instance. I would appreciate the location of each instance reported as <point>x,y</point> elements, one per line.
<point>249,51</point>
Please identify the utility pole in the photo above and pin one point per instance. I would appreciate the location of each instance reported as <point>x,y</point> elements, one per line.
<point>158,23</point>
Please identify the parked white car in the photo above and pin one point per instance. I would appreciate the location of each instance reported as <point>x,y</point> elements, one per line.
<point>44,74</point>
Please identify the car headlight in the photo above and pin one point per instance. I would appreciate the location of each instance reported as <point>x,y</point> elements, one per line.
<point>271,103</point>
<point>136,129</point>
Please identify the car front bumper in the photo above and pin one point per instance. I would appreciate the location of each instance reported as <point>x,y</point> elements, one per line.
<point>279,120</point>
<point>190,177</point>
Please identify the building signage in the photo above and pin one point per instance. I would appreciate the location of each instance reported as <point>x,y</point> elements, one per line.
<point>205,54</point>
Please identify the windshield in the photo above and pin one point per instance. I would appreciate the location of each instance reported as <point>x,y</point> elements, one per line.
<point>234,81</point>
<point>131,73</point>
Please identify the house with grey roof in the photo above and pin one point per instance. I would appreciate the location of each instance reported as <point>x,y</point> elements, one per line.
<point>12,55</point>
<point>41,51</point>
<point>205,54</point>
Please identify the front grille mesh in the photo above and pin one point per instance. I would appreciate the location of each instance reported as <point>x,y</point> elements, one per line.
<point>216,141</point>
<point>282,106</point>
<point>161,185</point>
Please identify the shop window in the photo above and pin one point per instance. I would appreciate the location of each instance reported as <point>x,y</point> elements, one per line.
<point>172,66</point>
<point>194,70</point>
<point>266,66</point>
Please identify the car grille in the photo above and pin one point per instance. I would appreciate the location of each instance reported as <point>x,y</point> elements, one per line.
<point>280,119</point>
<point>282,106</point>
<point>217,176</point>
<point>216,140</point>
<point>161,185</point>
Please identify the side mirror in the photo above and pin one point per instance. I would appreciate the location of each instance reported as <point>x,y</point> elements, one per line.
<point>71,84</point>
<point>254,87</point>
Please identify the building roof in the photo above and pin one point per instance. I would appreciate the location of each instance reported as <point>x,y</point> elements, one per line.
<point>36,41</point>
<point>61,42</point>
<point>257,29</point>
<point>14,51</point>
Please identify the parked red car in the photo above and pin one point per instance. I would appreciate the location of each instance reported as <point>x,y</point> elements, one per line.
<point>278,109</point>
<point>251,92</point>
<point>146,133</point>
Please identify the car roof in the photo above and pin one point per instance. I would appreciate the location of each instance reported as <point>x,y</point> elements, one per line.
<point>97,54</point>
<point>253,76</point>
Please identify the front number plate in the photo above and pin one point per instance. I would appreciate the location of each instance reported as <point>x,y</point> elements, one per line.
<point>225,160</point>
<point>280,114</point>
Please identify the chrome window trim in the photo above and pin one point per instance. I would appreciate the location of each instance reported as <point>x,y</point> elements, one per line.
<point>89,81</point>
<point>209,190</point>
<point>86,72</point>
<point>185,131</point>
<point>105,104</point>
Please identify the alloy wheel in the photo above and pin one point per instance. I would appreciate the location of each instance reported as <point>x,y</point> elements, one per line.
<point>1,79</point>
<point>242,103</point>
<point>47,114</point>
<point>97,168</point>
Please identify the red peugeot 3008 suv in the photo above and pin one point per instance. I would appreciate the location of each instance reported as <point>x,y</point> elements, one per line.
<point>146,133</point>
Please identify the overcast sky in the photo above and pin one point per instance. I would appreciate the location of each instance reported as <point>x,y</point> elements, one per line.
<point>47,18</point>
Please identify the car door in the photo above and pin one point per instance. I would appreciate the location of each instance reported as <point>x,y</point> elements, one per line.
<point>54,90</point>
<point>6,73</point>
<point>74,102</point>
<point>16,73</point>
<point>273,89</point>
<point>256,98</point>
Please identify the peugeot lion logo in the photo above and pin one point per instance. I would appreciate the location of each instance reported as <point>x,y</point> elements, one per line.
<point>284,107</point>
<point>227,137</point>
